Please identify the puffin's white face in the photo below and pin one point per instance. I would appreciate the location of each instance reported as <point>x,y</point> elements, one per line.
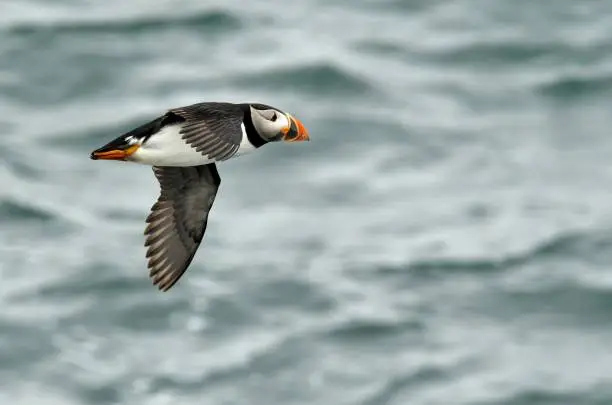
<point>274,125</point>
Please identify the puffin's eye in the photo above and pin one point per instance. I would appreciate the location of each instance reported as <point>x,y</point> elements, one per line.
<point>274,116</point>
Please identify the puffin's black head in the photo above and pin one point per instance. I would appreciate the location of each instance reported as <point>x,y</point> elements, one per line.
<point>274,125</point>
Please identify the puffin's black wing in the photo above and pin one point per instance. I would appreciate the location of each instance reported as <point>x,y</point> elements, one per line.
<point>178,220</point>
<point>213,129</point>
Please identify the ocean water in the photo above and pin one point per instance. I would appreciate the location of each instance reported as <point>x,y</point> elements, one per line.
<point>444,239</point>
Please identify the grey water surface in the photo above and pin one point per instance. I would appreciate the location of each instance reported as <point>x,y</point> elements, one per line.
<point>444,239</point>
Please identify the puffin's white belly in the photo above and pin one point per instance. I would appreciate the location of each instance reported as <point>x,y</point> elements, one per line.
<point>167,148</point>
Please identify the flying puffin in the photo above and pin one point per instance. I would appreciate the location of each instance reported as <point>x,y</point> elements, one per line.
<point>183,146</point>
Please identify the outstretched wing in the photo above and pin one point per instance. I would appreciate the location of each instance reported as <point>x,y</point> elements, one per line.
<point>178,220</point>
<point>213,129</point>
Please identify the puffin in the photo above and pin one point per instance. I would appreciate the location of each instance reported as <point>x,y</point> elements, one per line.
<point>183,146</point>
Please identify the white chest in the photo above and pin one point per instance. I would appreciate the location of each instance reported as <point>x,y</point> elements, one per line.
<point>167,148</point>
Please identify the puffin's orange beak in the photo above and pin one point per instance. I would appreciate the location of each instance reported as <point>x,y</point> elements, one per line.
<point>296,132</point>
<point>115,150</point>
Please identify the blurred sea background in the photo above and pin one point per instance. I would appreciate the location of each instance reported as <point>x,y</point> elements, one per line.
<point>444,239</point>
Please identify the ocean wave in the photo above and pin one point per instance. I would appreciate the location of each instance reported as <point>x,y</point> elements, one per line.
<point>99,279</point>
<point>87,139</point>
<point>19,212</point>
<point>375,328</point>
<point>319,79</point>
<point>22,168</point>
<point>257,358</point>
<point>501,53</point>
<point>28,346</point>
<point>381,48</point>
<point>562,303</point>
<point>212,21</point>
<point>550,396</point>
<point>571,86</point>
<point>580,245</point>
<point>99,393</point>
<point>423,376</point>
<point>296,294</point>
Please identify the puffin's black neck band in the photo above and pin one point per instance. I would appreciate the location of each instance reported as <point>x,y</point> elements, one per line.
<point>251,132</point>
